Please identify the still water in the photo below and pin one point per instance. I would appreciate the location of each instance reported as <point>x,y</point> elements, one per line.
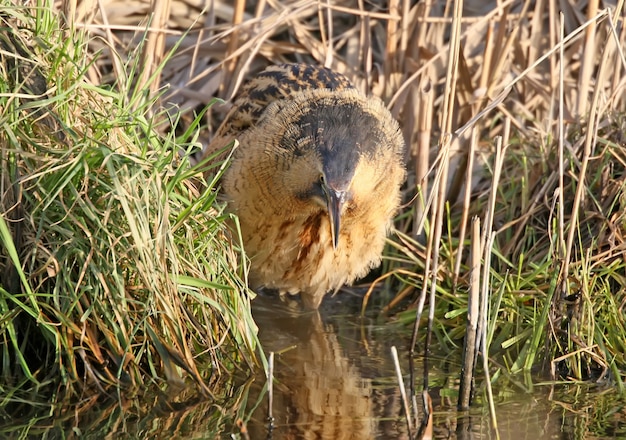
<point>333,379</point>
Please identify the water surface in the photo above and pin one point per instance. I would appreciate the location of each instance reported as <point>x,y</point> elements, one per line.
<point>333,379</point>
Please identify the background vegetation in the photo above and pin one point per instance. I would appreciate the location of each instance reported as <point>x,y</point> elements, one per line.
<point>120,265</point>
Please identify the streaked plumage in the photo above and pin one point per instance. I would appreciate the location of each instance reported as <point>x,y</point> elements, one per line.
<point>315,180</point>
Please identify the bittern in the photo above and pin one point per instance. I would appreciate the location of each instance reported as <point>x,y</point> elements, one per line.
<point>315,180</point>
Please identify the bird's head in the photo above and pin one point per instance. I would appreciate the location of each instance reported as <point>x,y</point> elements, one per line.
<point>334,150</point>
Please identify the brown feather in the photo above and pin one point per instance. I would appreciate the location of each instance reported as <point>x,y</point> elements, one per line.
<point>302,130</point>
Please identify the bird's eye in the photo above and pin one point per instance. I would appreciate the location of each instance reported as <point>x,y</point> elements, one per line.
<point>322,180</point>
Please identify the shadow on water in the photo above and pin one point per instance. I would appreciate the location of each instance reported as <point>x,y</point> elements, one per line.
<point>333,379</point>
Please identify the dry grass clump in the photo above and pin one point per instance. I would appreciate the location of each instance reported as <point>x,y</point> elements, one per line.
<point>116,269</point>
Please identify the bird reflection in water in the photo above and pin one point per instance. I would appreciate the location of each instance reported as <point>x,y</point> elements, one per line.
<point>318,392</point>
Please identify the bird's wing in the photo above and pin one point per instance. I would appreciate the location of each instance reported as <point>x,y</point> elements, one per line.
<point>273,84</point>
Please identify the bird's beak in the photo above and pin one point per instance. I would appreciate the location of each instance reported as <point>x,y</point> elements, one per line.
<point>335,200</point>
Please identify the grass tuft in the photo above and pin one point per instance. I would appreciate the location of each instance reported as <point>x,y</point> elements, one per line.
<point>117,266</point>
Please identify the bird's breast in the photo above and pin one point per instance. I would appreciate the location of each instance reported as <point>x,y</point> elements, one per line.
<point>296,255</point>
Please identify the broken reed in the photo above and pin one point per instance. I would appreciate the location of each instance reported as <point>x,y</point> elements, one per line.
<point>117,268</point>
